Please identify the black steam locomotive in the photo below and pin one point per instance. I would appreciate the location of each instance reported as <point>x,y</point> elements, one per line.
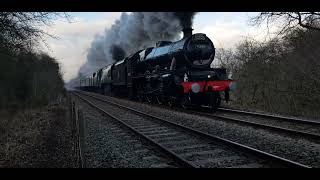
<point>172,73</point>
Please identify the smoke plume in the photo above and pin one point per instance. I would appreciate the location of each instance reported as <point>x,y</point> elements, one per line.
<point>132,32</point>
<point>185,18</point>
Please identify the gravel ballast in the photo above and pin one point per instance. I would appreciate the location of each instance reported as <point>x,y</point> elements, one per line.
<point>109,144</point>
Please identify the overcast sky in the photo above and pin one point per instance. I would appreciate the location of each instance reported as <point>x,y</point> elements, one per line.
<point>225,29</point>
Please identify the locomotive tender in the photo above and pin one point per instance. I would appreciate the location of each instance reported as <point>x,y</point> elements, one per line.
<point>172,72</point>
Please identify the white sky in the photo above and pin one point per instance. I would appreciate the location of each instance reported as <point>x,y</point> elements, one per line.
<point>225,29</point>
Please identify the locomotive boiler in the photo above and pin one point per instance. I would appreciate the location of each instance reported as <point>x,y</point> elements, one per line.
<point>174,73</point>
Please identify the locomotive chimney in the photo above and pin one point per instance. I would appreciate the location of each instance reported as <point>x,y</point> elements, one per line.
<point>187,32</point>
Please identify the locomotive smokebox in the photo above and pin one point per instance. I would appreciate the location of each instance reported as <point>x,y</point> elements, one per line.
<point>187,32</point>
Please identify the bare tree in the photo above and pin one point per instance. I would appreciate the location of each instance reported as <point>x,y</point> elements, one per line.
<point>226,58</point>
<point>289,20</point>
<point>21,31</point>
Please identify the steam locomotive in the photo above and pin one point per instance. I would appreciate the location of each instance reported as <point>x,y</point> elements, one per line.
<point>174,73</point>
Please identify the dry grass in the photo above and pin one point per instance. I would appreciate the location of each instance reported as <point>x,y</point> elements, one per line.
<point>31,138</point>
<point>19,131</point>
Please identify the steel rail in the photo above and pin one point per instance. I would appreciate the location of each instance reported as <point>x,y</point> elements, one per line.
<point>263,126</point>
<point>290,119</point>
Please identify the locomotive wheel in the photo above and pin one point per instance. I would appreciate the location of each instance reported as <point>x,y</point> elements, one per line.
<point>149,98</point>
<point>171,102</point>
<point>105,91</point>
<point>153,99</point>
<point>130,94</point>
<point>215,102</point>
<point>184,103</point>
<point>158,100</point>
<point>140,97</point>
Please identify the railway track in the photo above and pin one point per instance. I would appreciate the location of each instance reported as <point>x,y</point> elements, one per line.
<point>285,125</point>
<point>189,147</point>
<point>270,116</point>
<point>289,126</point>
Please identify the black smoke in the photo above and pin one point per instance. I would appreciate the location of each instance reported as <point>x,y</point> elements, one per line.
<point>117,52</point>
<point>185,18</point>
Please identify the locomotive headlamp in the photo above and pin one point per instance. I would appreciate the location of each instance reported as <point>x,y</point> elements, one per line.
<point>195,88</point>
<point>209,76</point>
<point>232,86</point>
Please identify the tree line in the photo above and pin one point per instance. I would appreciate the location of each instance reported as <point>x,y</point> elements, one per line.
<point>28,77</point>
<point>281,75</point>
